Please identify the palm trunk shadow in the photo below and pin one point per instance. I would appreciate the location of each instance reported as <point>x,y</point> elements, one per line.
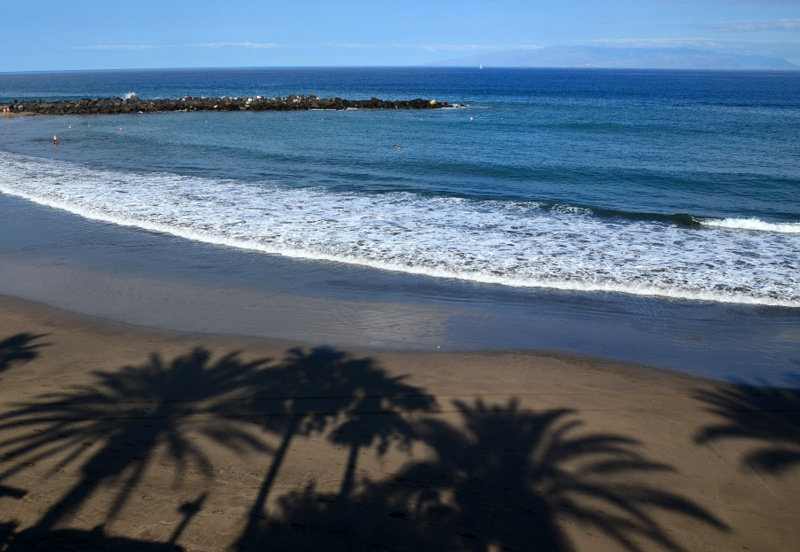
<point>256,512</point>
<point>318,388</point>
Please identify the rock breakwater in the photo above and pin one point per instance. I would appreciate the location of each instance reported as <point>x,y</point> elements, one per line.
<point>133,104</point>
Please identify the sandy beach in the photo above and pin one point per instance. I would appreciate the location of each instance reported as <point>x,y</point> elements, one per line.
<point>121,437</point>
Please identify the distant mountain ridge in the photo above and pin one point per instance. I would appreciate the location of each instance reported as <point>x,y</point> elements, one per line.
<point>621,58</point>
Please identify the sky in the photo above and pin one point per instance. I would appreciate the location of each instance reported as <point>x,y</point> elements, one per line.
<point>88,35</point>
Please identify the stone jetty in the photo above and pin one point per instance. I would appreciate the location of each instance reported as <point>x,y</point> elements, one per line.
<point>133,104</point>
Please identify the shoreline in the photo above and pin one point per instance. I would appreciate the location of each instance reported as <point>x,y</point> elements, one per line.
<point>89,403</point>
<point>150,279</point>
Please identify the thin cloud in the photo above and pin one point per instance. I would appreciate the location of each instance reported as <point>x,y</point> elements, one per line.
<point>754,26</point>
<point>340,45</point>
<point>244,45</point>
<point>650,42</point>
<point>117,47</point>
<point>686,42</point>
<point>467,47</point>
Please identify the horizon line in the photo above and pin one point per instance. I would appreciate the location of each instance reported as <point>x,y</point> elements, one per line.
<point>416,66</point>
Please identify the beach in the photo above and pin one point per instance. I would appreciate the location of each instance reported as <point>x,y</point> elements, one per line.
<point>159,393</point>
<point>563,317</point>
<point>104,437</point>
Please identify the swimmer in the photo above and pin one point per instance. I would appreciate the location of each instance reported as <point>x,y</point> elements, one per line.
<point>55,139</point>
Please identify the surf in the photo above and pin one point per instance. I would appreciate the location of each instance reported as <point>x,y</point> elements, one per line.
<point>510,243</point>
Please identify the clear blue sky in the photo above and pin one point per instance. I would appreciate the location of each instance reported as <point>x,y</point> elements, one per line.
<point>82,34</point>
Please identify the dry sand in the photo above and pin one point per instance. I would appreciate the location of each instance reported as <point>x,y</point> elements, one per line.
<point>124,438</point>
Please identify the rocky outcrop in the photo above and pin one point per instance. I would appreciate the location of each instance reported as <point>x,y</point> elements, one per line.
<point>134,104</point>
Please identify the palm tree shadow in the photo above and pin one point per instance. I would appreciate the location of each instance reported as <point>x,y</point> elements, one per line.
<point>763,414</point>
<point>117,425</point>
<point>113,428</point>
<point>15,350</point>
<point>315,389</point>
<point>19,349</point>
<point>505,480</point>
<point>378,417</point>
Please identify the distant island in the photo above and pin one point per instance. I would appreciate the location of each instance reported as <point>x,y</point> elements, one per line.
<point>597,57</point>
<point>133,104</point>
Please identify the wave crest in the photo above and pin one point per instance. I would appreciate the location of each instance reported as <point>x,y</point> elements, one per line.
<point>753,224</point>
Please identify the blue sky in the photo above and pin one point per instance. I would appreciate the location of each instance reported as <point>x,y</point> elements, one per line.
<point>81,34</point>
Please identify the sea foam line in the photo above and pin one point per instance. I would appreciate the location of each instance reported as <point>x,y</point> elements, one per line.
<point>533,283</point>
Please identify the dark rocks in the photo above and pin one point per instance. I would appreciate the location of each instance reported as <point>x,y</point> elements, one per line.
<point>133,104</point>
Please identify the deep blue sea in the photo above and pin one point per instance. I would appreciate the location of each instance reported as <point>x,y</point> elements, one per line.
<point>679,185</point>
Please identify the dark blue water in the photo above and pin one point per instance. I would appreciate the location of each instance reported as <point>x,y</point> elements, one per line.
<point>658,183</point>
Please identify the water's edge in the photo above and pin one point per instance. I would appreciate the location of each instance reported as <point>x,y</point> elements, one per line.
<point>157,280</point>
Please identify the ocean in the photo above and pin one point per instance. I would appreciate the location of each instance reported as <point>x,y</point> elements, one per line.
<point>666,185</point>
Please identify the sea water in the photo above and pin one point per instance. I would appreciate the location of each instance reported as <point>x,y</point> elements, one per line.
<point>649,216</point>
<point>658,183</point>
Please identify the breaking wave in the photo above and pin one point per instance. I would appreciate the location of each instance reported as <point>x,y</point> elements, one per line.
<point>521,244</point>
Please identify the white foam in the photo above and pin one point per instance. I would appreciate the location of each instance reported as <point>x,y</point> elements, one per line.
<point>753,224</point>
<point>514,244</point>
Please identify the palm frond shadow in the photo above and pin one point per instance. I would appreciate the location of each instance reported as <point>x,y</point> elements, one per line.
<point>504,480</point>
<point>19,349</point>
<point>504,477</point>
<point>116,426</point>
<point>112,429</point>
<point>768,416</point>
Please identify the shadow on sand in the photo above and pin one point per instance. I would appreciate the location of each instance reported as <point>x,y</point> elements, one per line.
<point>497,476</point>
<point>19,349</point>
<point>115,427</point>
<point>504,480</point>
<point>769,417</point>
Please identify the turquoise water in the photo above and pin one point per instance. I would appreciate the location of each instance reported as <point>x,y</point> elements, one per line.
<point>679,185</point>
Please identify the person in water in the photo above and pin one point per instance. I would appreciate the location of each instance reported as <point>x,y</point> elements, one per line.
<point>55,139</point>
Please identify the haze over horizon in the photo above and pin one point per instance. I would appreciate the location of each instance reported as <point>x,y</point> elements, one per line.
<point>86,35</point>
